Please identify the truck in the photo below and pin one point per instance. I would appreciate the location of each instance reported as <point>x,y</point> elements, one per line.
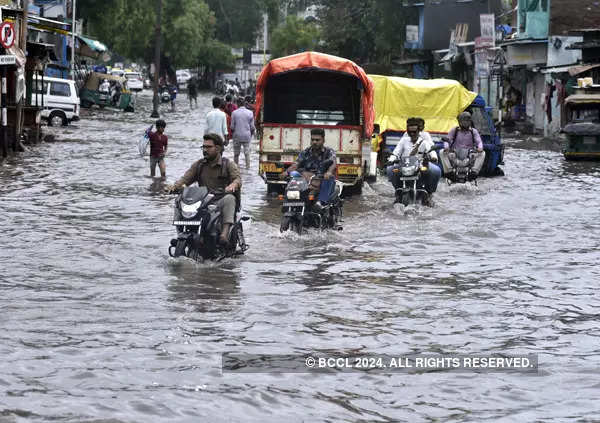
<point>313,90</point>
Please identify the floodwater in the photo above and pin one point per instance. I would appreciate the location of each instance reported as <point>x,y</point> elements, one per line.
<point>97,323</point>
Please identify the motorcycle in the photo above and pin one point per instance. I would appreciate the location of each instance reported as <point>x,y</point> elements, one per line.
<point>406,177</point>
<point>462,161</point>
<point>300,211</point>
<point>165,95</point>
<point>199,221</point>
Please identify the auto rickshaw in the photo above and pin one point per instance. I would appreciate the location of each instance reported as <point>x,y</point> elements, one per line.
<point>119,96</point>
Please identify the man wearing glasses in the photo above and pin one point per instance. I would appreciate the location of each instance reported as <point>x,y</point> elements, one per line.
<point>220,175</point>
<point>310,162</point>
<point>415,142</point>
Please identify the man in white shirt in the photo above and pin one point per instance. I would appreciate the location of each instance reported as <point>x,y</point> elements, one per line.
<point>415,142</point>
<point>216,121</point>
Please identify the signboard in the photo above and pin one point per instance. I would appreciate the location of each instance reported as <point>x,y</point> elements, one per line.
<point>259,58</point>
<point>8,59</point>
<point>412,33</point>
<point>7,35</point>
<point>488,30</point>
<point>237,52</point>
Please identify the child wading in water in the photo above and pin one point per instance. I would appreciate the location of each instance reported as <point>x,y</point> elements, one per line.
<point>158,148</point>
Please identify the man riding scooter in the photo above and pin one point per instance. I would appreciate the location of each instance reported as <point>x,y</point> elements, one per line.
<point>414,143</point>
<point>310,161</point>
<point>220,175</point>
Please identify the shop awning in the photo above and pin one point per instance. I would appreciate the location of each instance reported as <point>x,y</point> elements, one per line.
<point>557,69</point>
<point>90,48</point>
<point>95,45</point>
<point>576,70</point>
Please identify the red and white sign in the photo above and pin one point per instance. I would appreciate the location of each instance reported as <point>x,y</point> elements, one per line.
<point>7,35</point>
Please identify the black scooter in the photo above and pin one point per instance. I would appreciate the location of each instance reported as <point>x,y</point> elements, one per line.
<point>199,221</point>
<point>300,211</point>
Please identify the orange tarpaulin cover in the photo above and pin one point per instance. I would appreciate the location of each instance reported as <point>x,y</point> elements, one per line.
<point>312,59</point>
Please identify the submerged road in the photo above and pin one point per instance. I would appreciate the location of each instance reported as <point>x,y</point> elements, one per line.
<point>98,323</point>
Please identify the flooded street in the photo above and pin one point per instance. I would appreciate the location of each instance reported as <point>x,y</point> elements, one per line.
<point>99,324</point>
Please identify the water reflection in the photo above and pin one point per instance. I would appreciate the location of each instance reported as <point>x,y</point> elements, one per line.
<point>205,287</point>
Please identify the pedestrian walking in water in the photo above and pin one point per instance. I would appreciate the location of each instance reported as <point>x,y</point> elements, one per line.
<point>158,148</point>
<point>173,93</point>
<point>216,120</point>
<point>192,92</point>
<point>242,128</point>
<point>229,105</point>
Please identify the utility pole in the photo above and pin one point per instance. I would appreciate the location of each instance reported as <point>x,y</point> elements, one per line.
<point>73,28</point>
<point>22,101</point>
<point>157,58</point>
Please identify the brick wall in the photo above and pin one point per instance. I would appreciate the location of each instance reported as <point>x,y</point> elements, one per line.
<point>573,14</point>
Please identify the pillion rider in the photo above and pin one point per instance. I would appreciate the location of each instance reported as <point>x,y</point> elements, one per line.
<point>310,162</point>
<point>220,175</point>
<point>464,136</point>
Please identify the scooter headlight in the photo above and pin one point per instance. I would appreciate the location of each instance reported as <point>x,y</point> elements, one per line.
<point>293,195</point>
<point>190,210</point>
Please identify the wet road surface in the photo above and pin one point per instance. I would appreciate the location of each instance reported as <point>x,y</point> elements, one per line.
<point>99,324</point>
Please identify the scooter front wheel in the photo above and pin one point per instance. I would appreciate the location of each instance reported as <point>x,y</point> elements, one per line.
<point>297,226</point>
<point>406,200</point>
<point>180,248</point>
<point>285,223</point>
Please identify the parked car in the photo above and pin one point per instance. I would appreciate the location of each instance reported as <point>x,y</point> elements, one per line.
<point>183,76</point>
<point>134,81</point>
<point>117,72</point>
<point>59,100</point>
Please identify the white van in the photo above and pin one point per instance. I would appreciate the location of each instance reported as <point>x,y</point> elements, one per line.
<point>61,100</point>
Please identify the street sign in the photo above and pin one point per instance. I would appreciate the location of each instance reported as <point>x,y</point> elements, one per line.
<point>7,34</point>
<point>8,59</point>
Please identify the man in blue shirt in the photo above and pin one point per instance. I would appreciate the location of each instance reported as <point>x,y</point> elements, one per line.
<point>310,162</point>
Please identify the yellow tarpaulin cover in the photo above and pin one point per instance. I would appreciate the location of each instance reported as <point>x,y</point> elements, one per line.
<point>437,101</point>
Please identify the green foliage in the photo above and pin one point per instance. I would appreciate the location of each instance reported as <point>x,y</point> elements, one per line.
<point>364,30</point>
<point>237,21</point>
<point>128,27</point>
<point>215,54</point>
<point>187,25</point>
<point>293,37</point>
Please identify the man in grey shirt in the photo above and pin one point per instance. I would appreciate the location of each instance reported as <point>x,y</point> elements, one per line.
<point>242,128</point>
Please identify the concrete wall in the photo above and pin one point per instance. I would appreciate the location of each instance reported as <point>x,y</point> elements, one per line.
<point>441,17</point>
<point>573,14</point>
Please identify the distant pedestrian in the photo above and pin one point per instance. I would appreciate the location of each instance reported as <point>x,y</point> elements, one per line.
<point>158,148</point>
<point>229,105</point>
<point>242,127</point>
<point>222,108</point>
<point>173,93</point>
<point>216,120</point>
<point>192,92</point>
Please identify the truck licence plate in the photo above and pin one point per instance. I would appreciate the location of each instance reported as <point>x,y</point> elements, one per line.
<point>347,170</point>
<point>270,167</point>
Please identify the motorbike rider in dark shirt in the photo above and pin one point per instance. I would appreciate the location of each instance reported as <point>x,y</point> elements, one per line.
<point>310,161</point>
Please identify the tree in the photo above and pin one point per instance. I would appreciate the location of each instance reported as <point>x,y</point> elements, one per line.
<point>293,37</point>
<point>127,27</point>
